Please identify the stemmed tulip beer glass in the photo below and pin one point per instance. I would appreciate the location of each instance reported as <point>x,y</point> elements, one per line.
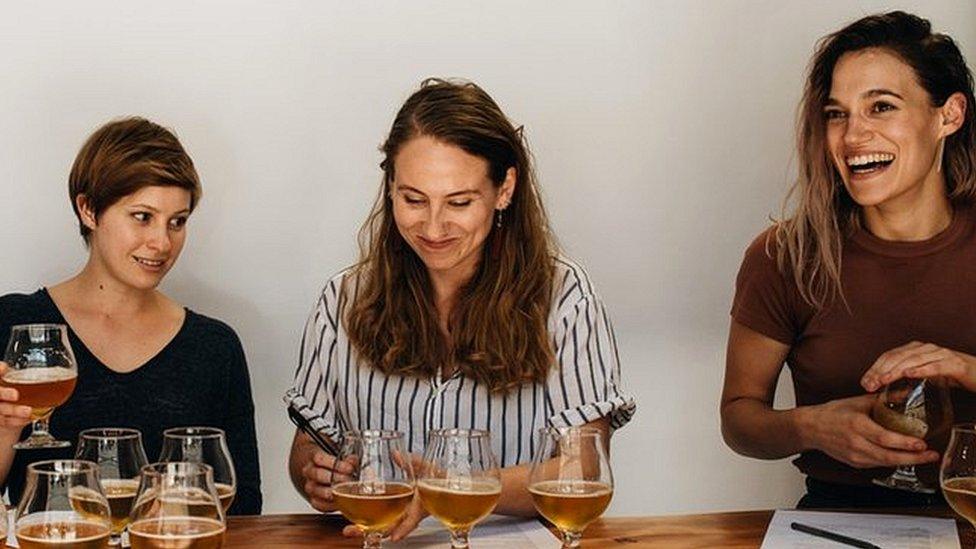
<point>459,481</point>
<point>381,485</point>
<point>570,481</point>
<point>119,456</point>
<point>42,367</point>
<point>915,407</point>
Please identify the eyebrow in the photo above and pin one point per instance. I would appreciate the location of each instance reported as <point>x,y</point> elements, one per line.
<point>156,210</point>
<point>831,102</point>
<point>450,195</point>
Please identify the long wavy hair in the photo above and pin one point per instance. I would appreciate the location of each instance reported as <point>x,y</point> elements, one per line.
<point>808,242</point>
<point>498,328</point>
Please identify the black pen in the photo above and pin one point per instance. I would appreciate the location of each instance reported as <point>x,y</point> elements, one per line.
<point>839,538</point>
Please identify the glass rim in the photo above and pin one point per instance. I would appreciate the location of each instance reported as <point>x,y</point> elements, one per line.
<point>466,433</point>
<point>374,434</point>
<point>195,431</point>
<point>582,430</point>
<point>968,427</point>
<point>39,326</point>
<point>101,433</point>
<point>153,469</point>
<point>49,466</point>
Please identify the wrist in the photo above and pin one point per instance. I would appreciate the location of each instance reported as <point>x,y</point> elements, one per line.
<point>804,426</point>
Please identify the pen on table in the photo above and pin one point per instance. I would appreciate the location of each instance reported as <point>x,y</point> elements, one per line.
<point>840,538</point>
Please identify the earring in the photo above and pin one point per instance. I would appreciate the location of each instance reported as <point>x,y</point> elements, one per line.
<point>938,156</point>
<point>498,218</point>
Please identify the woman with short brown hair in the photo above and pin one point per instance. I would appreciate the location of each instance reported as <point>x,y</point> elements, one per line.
<point>144,360</point>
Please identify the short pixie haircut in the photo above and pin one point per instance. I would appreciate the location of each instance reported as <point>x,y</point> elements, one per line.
<point>125,156</point>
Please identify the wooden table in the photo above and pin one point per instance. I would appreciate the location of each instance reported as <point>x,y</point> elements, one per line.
<point>715,530</point>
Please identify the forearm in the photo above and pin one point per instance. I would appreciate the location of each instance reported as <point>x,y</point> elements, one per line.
<point>753,428</point>
<point>515,499</point>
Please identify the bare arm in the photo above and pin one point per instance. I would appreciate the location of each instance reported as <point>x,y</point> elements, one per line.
<point>841,428</point>
<point>753,364</point>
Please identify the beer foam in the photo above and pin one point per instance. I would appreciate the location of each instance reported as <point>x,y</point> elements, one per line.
<point>571,488</point>
<point>461,485</point>
<point>120,487</point>
<point>349,490</point>
<point>32,376</point>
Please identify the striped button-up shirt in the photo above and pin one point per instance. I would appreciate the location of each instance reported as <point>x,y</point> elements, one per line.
<point>337,392</point>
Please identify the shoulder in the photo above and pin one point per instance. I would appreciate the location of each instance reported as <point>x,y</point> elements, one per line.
<point>571,285</point>
<point>339,285</point>
<point>207,329</point>
<point>16,307</point>
<point>760,257</point>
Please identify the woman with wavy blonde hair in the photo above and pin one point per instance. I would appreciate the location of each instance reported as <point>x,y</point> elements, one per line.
<point>861,285</point>
<point>460,312</point>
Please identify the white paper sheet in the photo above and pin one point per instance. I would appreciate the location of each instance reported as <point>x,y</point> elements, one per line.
<point>887,531</point>
<point>495,532</point>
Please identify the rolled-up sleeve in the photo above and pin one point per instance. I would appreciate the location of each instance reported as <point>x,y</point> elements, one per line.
<point>314,389</point>
<point>586,385</point>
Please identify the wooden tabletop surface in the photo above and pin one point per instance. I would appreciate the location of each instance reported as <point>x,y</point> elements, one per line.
<point>714,530</point>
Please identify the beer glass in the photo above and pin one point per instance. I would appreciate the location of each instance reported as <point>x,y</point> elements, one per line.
<point>177,506</point>
<point>570,481</point>
<point>119,455</point>
<point>203,445</point>
<point>957,475</point>
<point>63,506</point>
<point>915,407</point>
<point>42,368</point>
<point>459,481</point>
<point>381,488</point>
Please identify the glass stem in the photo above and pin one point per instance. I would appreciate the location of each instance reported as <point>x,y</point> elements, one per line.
<point>372,540</point>
<point>459,539</point>
<point>571,539</point>
<point>39,428</point>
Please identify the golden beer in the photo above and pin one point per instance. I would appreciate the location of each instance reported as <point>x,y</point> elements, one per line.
<point>121,494</point>
<point>186,502</point>
<point>63,534</point>
<point>43,389</point>
<point>369,510</point>
<point>176,533</point>
<point>571,504</point>
<point>961,494</point>
<point>226,493</point>
<point>459,504</point>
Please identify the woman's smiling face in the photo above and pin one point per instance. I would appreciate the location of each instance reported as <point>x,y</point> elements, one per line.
<point>444,203</point>
<point>883,132</point>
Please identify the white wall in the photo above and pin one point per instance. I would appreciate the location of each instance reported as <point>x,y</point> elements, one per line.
<point>662,132</point>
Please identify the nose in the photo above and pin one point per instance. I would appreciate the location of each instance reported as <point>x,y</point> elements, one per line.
<point>857,131</point>
<point>436,223</point>
<point>159,239</point>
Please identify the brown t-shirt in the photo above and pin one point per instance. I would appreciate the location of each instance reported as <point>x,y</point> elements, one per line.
<point>897,292</point>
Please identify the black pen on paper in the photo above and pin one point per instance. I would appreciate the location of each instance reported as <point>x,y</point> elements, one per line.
<point>826,534</point>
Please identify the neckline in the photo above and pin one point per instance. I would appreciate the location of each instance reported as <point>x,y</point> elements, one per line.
<point>904,249</point>
<point>84,346</point>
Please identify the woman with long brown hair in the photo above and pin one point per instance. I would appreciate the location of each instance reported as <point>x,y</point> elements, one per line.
<point>460,312</point>
<point>862,282</point>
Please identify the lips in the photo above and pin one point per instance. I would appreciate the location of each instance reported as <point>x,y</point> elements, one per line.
<point>153,264</point>
<point>868,163</point>
<point>436,245</point>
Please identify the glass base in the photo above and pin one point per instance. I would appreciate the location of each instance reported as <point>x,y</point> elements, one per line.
<point>39,441</point>
<point>908,483</point>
